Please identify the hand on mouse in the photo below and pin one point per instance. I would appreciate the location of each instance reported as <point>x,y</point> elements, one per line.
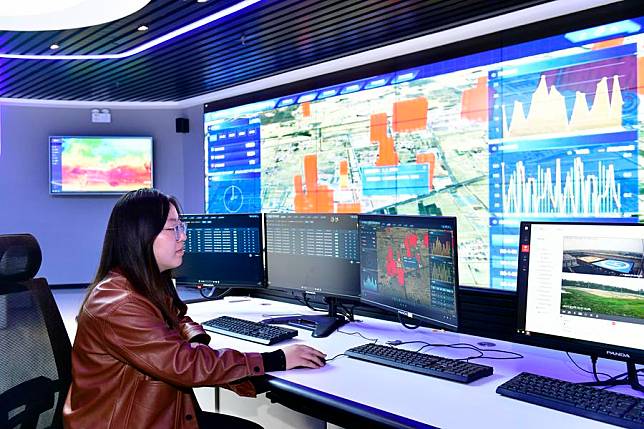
<point>299,355</point>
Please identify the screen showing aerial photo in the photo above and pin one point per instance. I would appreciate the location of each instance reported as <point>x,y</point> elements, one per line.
<point>544,130</point>
<point>603,278</point>
<point>403,264</point>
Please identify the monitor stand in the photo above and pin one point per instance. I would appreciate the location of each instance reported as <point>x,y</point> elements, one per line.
<point>631,379</point>
<point>322,326</point>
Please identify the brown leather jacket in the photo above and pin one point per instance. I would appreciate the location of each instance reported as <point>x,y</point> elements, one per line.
<point>129,370</point>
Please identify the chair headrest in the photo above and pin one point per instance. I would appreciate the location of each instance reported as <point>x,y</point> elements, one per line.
<point>20,257</point>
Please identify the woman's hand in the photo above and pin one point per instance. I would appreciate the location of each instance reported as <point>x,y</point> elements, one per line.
<point>299,355</point>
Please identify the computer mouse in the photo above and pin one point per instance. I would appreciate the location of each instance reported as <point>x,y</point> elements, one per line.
<point>323,364</point>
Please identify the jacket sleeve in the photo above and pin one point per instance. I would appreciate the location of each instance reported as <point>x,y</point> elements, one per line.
<point>245,387</point>
<point>135,332</point>
<point>192,331</point>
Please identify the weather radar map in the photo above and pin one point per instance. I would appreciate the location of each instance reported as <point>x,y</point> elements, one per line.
<point>546,130</point>
<point>100,164</point>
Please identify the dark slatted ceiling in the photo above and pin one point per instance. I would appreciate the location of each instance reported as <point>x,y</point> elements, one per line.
<point>266,39</point>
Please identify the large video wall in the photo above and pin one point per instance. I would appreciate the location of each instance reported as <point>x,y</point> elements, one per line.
<point>543,130</point>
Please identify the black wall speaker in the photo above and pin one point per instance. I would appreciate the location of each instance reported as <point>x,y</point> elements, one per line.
<point>182,125</point>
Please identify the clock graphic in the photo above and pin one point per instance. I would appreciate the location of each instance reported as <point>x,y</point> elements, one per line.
<point>233,199</point>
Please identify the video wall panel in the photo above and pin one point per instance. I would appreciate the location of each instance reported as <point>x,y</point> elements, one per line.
<point>548,129</point>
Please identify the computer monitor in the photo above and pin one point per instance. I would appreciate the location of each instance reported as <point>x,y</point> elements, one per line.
<point>222,250</point>
<point>580,288</point>
<point>99,164</point>
<point>409,264</point>
<point>314,254</point>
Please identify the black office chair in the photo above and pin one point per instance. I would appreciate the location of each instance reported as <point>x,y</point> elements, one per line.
<point>35,352</point>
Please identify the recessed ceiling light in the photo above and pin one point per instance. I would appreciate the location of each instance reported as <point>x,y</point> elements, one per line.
<point>54,46</point>
<point>202,1</point>
<point>143,28</point>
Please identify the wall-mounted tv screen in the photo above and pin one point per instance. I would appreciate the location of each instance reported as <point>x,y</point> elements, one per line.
<point>546,129</point>
<point>99,165</point>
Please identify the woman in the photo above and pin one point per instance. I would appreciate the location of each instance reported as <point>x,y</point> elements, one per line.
<point>136,354</point>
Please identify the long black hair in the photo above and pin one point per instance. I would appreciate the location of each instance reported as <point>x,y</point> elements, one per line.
<point>136,220</point>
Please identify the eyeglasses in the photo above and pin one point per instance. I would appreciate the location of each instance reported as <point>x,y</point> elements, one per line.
<point>178,229</point>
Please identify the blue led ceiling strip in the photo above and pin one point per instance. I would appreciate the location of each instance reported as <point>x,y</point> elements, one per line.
<point>145,46</point>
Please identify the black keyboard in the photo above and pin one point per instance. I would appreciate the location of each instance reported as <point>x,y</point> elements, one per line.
<point>585,401</point>
<point>422,363</point>
<point>247,330</point>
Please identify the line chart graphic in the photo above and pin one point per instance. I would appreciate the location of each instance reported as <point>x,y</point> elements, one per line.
<point>594,92</point>
<point>548,111</point>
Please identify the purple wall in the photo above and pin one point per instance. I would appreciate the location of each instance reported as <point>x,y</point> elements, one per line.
<point>70,229</point>
<point>193,163</point>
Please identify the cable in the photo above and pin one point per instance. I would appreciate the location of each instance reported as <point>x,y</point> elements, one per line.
<point>336,356</point>
<point>345,313</point>
<point>373,340</point>
<point>593,359</point>
<point>306,302</point>
<point>594,372</point>
<point>516,355</point>
<point>607,383</point>
<point>348,313</point>
<point>406,325</point>
<point>462,346</point>
<point>620,377</point>
<point>208,292</point>
<point>513,355</point>
<point>454,346</point>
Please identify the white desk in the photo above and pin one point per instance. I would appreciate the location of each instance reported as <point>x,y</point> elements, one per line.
<point>423,399</point>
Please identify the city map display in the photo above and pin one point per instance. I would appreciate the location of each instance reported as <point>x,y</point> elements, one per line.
<point>403,264</point>
<point>546,130</point>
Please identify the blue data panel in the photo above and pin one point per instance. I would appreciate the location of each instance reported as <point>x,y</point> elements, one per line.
<point>233,176</point>
<point>238,193</point>
<point>584,176</point>
<point>563,146</point>
<point>410,179</point>
<point>231,149</point>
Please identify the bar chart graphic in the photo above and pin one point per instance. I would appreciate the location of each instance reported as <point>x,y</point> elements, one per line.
<point>441,245</point>
<point>548,191</point>
<point>592,176</point>
<point>442,272</point>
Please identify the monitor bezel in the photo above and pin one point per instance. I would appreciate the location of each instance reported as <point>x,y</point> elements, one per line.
<point>262,253</point>
<point>415,315</point>
<point>98,193</point>
<point>303,290</point>
<point>567,344</point>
